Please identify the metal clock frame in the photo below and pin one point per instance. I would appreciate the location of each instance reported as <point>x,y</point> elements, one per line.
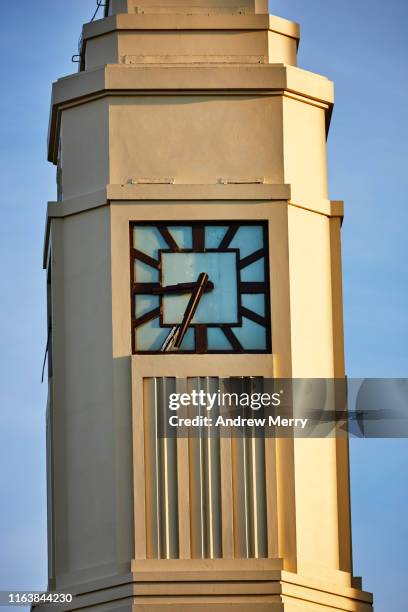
<point>198,246</point>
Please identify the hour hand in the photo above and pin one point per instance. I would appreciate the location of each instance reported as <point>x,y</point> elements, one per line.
<point>181,288</point>
<point>177,333</point>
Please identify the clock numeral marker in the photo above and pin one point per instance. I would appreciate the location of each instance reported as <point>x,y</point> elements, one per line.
<point>201,340</point>
<point>198,237</point>
<point>231,337</point>
<point>148,316</point>
<point>250,314</point>
<point>250,259</point>
<point>232,230</point>
<point>154,263</point>
<point>168,238</point>
<point>252,287</point>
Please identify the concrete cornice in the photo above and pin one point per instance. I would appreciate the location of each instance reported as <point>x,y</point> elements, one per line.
<point>145,578</point>
<point>129,22</point>
<point>114,79</point>
<point>133,194</point>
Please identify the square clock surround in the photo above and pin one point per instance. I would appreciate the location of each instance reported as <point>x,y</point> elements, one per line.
<point>166,258</point>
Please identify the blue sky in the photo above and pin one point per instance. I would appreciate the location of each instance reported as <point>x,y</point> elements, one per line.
<point>362,47</point>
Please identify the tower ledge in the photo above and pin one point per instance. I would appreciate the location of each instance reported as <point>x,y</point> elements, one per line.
<point>113,80</point>
<point>163,21</point>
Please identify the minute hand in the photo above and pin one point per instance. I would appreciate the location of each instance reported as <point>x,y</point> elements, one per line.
<point>191,307</point>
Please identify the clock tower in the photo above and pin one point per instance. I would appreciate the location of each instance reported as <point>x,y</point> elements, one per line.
<point>193,241</point>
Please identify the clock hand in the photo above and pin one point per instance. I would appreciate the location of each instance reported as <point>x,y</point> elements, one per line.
<point>177,333</point>
<point>191,307</point>
<point>170,340</point>
<point>181,288</point>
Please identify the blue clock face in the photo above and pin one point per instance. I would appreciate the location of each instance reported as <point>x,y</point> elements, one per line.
<point>200,287</point>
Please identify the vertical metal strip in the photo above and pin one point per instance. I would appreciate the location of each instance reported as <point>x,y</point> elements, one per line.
<point>271,505</point>
<point>249,490</point>
<point>197,517</point>
<point>153,531</point>
<point>227,494</point>
<point>240,492</point>
<point>212,482</point>
<point>226,499</point>
<point>205,482</point>
<point>257,497</point>
<point>240,497</point>
<point>256,484</point>
<point>167,457</point>
<point>160,473</point>
<point>183,487</point>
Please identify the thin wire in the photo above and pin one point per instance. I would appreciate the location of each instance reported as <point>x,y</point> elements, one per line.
<point>99,4</point>
<point>46,353</point>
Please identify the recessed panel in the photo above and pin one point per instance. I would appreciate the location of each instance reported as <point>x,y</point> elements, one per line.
<point>218,306</point>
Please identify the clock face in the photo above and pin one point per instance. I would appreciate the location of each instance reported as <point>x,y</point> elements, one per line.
<point>228,313</point>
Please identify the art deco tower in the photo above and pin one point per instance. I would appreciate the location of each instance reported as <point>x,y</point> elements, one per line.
<point>190,142</point>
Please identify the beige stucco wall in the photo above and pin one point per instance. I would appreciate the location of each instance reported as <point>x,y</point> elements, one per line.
<point>310,287</point>
<point>305,150</point>
<point>226,46</point>
<point>85,149</point>
<point>283,138</point>
<point>91,413</point>
<point>102,50</point>
<point>226,132</point>
<point>313,355</point>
